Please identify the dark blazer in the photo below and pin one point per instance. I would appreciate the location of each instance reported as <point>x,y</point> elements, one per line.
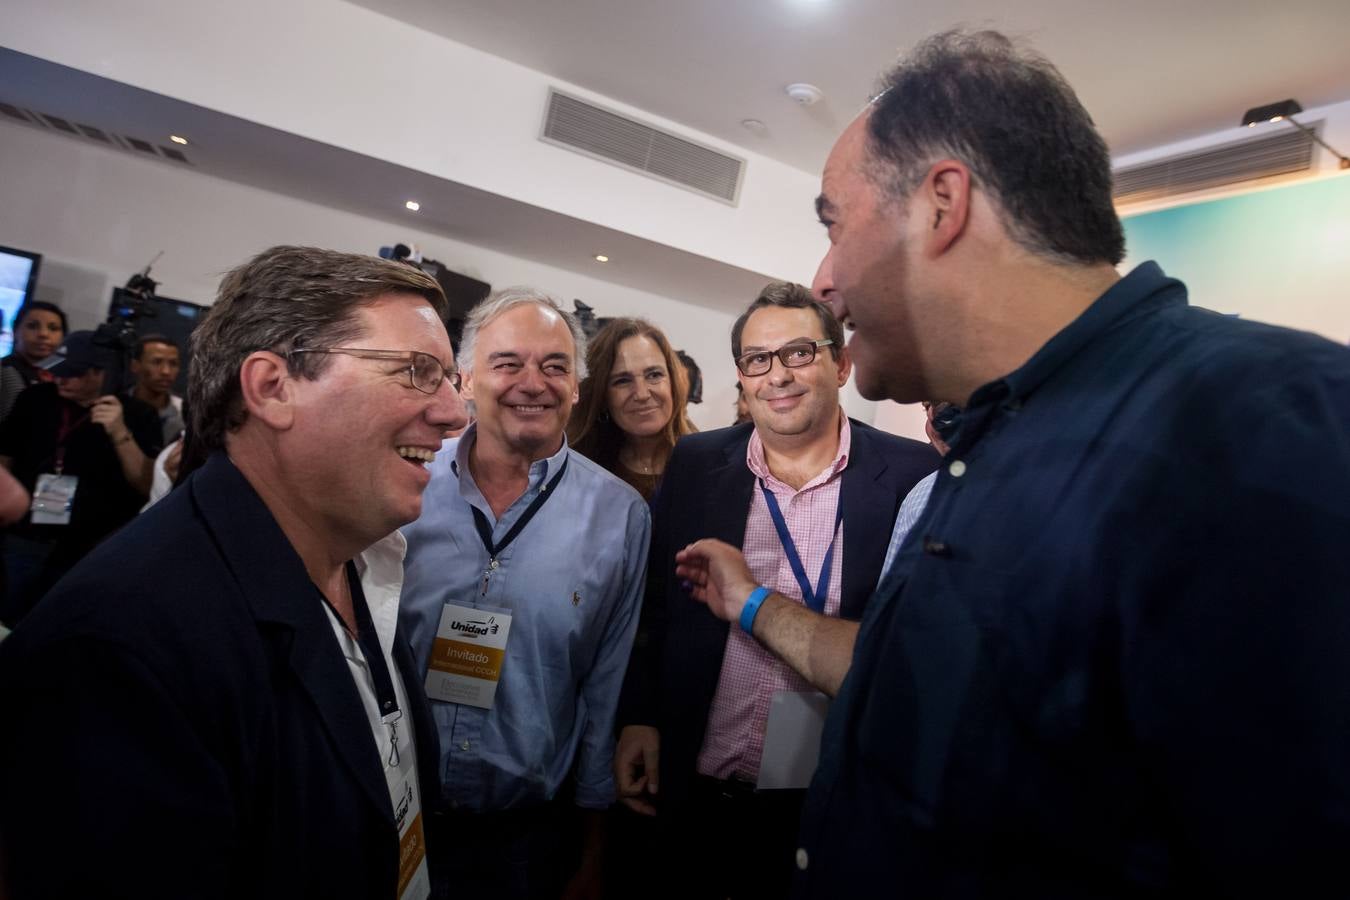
<point>705,493</point>
<point>180,721</point>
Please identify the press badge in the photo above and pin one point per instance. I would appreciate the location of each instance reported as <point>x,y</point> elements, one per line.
<point>53,499</point>
<point>414,881</point>
<point>466,658</point>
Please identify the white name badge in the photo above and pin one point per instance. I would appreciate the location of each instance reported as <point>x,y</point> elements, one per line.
<point>414,881</point>
<point>53,498</point>
<point>467,655</point>
<point>792,740</point>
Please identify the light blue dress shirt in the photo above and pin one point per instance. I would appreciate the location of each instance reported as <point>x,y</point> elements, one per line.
<point>915,502</point>
<point>572,581</point>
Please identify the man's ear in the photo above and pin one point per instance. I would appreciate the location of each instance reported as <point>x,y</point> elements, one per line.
<point>466,384</point>
<point>268,389</point>
<point>844,364</point>
<point>946,187</point>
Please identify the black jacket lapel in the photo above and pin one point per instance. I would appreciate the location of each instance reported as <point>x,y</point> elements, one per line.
<point>279,591</point>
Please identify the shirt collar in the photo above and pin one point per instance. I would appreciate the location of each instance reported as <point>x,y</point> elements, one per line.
<point>1143,290</point>
<point>756,463</point>
<point>540,470</point>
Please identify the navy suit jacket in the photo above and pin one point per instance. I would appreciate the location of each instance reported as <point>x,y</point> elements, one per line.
<point>182,723</point>
<point>705,493</point>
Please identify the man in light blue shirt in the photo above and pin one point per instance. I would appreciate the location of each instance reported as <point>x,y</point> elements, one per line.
<point>524,540</point>
<point>942,419</point>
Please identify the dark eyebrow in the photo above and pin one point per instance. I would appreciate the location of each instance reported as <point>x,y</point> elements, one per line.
<point>553,357</point>
<point>823,208</point>
<point>754,348</point>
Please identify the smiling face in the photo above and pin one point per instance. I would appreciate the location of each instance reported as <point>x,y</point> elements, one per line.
<point>638,392</point>
<point>868,273</point>
<point>792,406</point>
<point>524,381</point>
<point>38,335</point>
<point>356,451</point>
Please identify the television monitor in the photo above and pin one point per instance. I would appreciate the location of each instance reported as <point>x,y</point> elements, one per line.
<point>18,278</point>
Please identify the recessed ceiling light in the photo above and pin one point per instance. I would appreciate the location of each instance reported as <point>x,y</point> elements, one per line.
<point>177,140</point>
<point>755,126</point>
<point>600,257</point>
<point>413,205</point>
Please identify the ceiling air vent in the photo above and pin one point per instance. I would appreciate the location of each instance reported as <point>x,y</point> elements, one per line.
<point>95,134</point>
<point>603,134</point>
<point>59,124</point>
<point>15,113</point>
<point>92,132</point>
<point>1283,153</point>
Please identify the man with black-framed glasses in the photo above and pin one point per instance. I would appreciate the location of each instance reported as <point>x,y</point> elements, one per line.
<point>710,718</point>
<point>219,696</point>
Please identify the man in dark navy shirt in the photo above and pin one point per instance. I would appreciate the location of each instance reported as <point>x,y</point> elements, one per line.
<point>1113,655</point>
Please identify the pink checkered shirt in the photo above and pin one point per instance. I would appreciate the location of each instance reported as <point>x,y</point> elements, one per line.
<point>751,675</point>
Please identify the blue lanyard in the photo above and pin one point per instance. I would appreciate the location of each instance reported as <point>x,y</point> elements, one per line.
<point>814,599</point>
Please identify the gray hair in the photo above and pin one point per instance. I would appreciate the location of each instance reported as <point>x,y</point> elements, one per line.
<point>506,300</point>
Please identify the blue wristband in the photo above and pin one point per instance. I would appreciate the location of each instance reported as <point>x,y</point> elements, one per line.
<point>751,608</point>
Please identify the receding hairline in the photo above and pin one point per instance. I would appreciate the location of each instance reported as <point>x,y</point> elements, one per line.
<point>558,320</point>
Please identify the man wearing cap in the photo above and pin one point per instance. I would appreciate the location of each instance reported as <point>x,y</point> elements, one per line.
<point>84,455</point>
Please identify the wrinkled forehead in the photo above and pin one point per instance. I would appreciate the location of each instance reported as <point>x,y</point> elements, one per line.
<point>529,330</point>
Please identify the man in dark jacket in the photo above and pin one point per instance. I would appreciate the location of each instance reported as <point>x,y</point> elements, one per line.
<point>217,702</point>
<point>811,496</point>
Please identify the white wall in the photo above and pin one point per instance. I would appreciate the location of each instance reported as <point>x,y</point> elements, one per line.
<point>97,215</point>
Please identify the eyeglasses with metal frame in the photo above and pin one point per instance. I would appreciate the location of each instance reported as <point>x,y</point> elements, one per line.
<point>425,372</point>
<point>792,355</point>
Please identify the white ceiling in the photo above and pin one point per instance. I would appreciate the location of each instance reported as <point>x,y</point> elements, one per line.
<point>236,149</point>
<point>1150,71</point>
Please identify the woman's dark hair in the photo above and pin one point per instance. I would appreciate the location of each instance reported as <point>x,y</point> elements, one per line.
<point>31,305</point>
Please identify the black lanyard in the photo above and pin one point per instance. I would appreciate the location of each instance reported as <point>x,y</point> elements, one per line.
<point>485,530</point>
<point>814,599</point>
<point>369,640</point>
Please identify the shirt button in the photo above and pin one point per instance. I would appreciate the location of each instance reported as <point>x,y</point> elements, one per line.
<point>464,746</point>
<point>801,858</point>
<point>957,468</point>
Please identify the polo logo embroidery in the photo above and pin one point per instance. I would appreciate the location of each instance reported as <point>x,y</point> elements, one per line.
<point>576,599</point>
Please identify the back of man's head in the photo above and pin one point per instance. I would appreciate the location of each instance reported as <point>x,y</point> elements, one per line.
<point>284,299</point>
<point>1010,116</point>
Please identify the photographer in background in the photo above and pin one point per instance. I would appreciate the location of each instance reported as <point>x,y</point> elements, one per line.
<point>86,458</point>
